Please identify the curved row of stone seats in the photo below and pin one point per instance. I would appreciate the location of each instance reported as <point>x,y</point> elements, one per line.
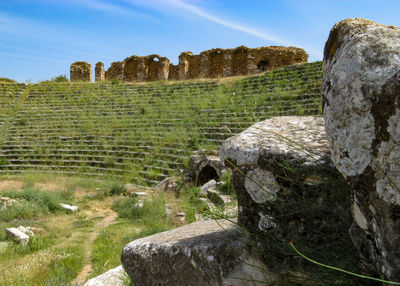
<point>146,132</point>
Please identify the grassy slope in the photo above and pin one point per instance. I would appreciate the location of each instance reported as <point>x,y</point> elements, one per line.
<point>145,132</point>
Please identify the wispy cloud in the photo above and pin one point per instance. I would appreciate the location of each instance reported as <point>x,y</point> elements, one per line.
<point>232,25</point>
<point>108,8</point>
<point>183,7</point>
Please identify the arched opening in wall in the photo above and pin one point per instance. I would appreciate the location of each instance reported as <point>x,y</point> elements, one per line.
<point>153,69</point>
<point>262,65</point>
<point>206,174</point>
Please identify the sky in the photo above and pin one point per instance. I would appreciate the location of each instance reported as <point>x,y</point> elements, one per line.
<point>39,39</point>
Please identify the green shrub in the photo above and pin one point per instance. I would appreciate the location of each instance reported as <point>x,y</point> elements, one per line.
<point>117,189</point>
<point>59,78</point>
<point>152,212</point>
<point>6,80</point>
<point>22,210</point>
<point>33,203</point>
<point>191,203</point>
<point>115,81</point>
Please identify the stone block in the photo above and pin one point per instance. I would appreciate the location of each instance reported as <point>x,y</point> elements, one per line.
<point>114,277</point>
<point>201,253</point>
<point>17,235</point>
<point>361,102</point>
<point>287,189</point>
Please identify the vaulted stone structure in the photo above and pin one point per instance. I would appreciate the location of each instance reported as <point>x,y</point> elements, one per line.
<point>214,63</point>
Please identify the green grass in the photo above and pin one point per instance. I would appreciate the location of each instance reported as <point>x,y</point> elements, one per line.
<point>6,80</point>
<point>33,203</point>
<point>127,118</point>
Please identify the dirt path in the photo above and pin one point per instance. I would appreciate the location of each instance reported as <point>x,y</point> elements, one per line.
<point>87,269</point>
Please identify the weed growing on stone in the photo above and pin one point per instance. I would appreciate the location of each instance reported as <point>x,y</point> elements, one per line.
<point>314,212</point>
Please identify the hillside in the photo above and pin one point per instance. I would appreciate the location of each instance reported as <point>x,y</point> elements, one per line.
<point>142,133</point>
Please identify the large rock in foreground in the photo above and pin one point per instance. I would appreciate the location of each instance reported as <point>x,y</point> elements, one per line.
<point>201,253</point>
<point>361,87</point>
<point>114,277</point>
<point>287,189</point>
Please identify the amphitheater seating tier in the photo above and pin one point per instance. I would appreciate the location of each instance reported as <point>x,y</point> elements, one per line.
<point>143,133</point>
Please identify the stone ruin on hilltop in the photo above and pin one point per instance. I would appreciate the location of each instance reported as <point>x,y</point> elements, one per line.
<point>214,63</point>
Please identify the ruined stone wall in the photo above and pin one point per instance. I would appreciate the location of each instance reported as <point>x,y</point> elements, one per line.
<point>131,68</point>
<point>152,63</point>
<point>81,71</point>
<point>239,60</point>
<point>116,71</point>
<point>269,58</point>
<point>194,66</point>
<point>214,63</point>
<point>163,68</point>
<point>184,65</point>
<point>99,73</point>
<point>173,72</point>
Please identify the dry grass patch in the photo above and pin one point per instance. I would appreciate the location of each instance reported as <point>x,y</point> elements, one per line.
<point>11,185</point>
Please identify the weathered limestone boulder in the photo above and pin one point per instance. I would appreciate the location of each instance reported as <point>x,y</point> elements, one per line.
<point>212,184</point>
<point>26,230</point>
<point>6,202</point>
<point>287,189</point>
<point>361,101</point>
<point>69,207</point>
<point>81,71</point>
<point>114,277</point>
<point>17,235</point>
<point>201,253</point>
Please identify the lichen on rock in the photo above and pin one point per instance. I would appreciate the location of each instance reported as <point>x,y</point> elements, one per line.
<point>361,94</point>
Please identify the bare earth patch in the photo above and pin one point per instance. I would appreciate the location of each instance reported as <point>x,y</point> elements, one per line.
<point>47,186</point>
<point>11,185</point>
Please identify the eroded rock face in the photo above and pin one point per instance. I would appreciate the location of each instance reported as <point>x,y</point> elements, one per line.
<point>361,101</point>
<point>281,167</point>
<point>201,253</point>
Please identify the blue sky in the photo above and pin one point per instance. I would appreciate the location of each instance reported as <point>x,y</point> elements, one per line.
<point>39,39</point>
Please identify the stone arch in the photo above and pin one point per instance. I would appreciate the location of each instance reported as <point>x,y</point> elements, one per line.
<point>206,174</point>
<point>263,65</point>
<point>131,69</point>
<point>152,63</point>
<point>208,168</point>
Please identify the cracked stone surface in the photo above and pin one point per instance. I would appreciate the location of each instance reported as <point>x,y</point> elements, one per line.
<point>361,102</point>
<point>201,253</point>
<point>274,161</point>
